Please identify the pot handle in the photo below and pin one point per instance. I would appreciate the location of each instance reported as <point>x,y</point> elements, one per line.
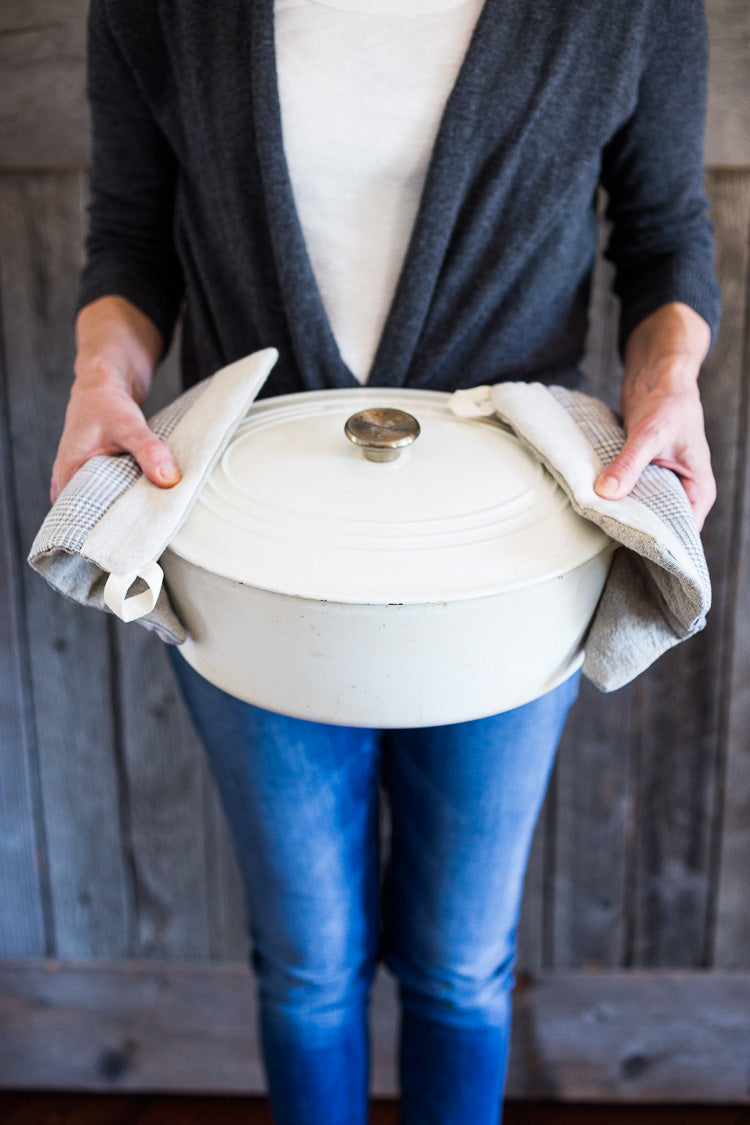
<point>137,605</point>
<point>382,433</point>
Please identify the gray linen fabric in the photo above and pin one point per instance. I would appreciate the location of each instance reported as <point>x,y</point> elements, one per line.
<point>111,520</point>
<point>658,590</point>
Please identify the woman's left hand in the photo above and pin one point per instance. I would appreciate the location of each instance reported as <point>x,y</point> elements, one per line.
<point>661,408</point>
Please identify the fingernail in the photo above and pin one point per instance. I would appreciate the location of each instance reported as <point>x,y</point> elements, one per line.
<point>607,485</point>
<point>168,474</point>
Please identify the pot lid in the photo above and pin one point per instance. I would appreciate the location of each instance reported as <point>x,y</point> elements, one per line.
<point>464,511</point>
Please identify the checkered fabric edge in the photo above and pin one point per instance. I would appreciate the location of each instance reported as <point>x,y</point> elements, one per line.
<point>658,489</point>
<point>98,484</point>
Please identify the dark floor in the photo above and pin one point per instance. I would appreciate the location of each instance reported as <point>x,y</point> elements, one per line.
<point>20,1108</point>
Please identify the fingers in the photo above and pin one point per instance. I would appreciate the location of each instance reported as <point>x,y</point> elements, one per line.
<point>693,467</point>
<point>110,423</point>
<point>702,495</point>
<point>154,458</point>
<point>621,475</point>
<point>152,455</point>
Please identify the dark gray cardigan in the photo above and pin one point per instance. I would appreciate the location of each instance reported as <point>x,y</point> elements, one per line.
<point>191,198</point>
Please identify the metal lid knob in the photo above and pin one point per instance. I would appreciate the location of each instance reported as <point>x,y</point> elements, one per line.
<point>381,434</point>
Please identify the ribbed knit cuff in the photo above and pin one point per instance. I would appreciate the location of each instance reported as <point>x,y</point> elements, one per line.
<point>675,279</point>
<point>160,307</point>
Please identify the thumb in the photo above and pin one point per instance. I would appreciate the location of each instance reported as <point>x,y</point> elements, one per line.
<point>155,459</point>
<point>623,473</point>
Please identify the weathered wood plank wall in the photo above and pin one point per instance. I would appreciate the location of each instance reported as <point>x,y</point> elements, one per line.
<point>642,1036</point>
<point>112,843</point>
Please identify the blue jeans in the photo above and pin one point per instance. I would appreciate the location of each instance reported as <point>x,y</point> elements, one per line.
<point>302,801</point>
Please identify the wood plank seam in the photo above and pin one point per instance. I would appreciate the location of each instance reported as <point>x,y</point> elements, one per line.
<point>640,1037</point>
<point>41,237</point>
<point>630,889</point>
<point>28,719</point>
<point>130,865</point>
<point>731,606</point>
<point>548,873</point>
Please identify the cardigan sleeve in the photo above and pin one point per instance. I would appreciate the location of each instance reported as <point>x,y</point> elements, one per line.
<point>652,169</point>
<point>130,245</point>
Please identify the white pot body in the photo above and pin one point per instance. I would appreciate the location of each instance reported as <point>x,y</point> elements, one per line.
<point>385,666</point>
<point>451,584</point>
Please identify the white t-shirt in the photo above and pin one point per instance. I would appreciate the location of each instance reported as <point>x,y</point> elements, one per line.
<point>363,85</point>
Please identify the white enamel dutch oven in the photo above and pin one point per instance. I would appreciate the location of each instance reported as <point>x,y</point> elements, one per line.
<point>330,581</point>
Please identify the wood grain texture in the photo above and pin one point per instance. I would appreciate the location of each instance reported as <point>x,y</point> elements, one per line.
<point>163,784</point>
<point>531,924</point>
<point>637,1037</point>
<point>681,739</point>
<point>731,938</point>
<point>677,791</point>
<point>225,904</point>
<point>164,804</point>
<point>643,848</point>
<point>595,824</point>
<point>601,364</point>
<point>22,853</point>
<point>634,1036</point>
<point>596,766</point>
<point>189,900</point>
<point>70,689</point>
<point>44,117</point>
<point>728,123</point>
<point>44,122</point>
<point>655,752</point>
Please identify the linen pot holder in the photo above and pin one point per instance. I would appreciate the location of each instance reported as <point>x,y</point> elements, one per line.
<point>110,524</point>
<point>658,589</point>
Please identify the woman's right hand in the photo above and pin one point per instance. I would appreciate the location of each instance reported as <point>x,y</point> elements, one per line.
<point>118,349</point>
